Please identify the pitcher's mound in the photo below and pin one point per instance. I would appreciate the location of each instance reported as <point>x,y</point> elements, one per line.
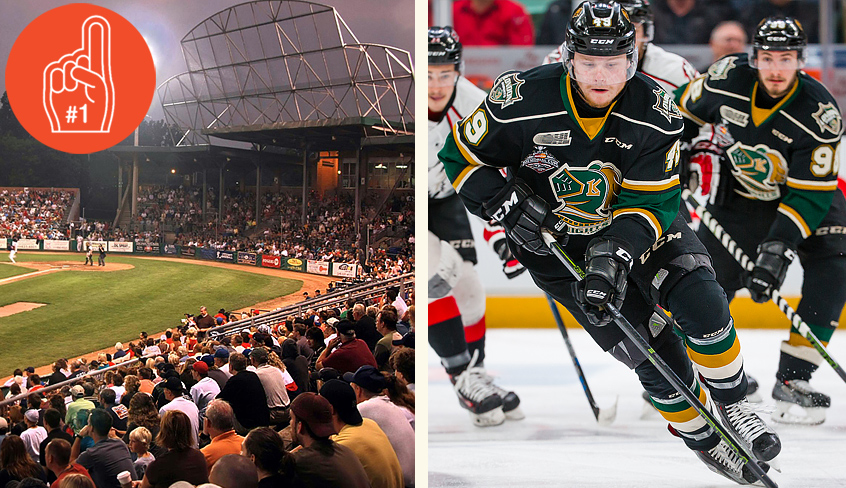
<point>19,307</point>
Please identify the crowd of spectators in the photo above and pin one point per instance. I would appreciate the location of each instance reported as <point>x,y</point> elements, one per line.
<point>34,213</point>
<point>507,22</point>
<point>325,398</point>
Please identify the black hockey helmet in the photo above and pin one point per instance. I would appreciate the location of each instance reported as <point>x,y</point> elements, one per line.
<point>444,47</point>
<point>600,29</point>
<point>779,34</point>
<point>640,12</point>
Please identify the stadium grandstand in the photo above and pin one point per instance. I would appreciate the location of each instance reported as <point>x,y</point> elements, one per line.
<point>276,197</point>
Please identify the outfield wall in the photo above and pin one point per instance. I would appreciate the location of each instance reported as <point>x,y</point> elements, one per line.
<point>309,266</point>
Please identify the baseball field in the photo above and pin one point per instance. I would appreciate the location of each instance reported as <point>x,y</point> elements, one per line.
<point>88,308</point>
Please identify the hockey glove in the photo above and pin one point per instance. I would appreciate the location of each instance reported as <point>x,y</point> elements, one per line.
<point>705,158</point>
<point>608,265</point>
<point>523,214</point>
<point>774,257</point>
<point>495,237</point>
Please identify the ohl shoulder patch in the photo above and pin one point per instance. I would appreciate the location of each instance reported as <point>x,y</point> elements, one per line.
<point>720,69</point>
<point>540,160</point>
<point>828,118</point>
<point>506,91</point>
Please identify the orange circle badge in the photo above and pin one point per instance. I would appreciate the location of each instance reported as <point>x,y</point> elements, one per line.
<point>80,78</point>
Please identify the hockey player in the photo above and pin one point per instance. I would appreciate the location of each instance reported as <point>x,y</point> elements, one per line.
<point>669,70</point>
<point>456,295</point>
<point>594,150</point>
<point>772,183</point>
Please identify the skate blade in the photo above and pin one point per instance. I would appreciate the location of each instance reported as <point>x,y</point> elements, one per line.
<point>606,416</point>
<point>491,418</point>
<point>786,414</point>
<point>515,414</point>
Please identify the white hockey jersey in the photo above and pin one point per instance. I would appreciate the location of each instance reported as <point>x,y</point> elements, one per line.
<point>667,69</point>
<point>467,98</point>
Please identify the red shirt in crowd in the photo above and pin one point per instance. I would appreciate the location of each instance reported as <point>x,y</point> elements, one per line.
<point>504,23</point>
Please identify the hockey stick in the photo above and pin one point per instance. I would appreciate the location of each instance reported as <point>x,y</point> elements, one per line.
<point>663,367</point>
<point>747,264</point>
<point>603,416</point>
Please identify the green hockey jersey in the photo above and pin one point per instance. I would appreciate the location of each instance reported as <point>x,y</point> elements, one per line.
<point>616,174</point>
<point>784,156</point>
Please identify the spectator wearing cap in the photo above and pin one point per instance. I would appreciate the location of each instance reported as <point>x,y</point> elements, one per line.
<point>108,456</point>
<point>221,314</point>
<point>297,366</point>
<point>365,326</point>
<point>33,435</point>
<point>57,459</point>
<point>234,471</point>
<point>369,385</point>
<point>78,404</point>
<point>174,394</point>
<point>118,412</point>
<point>221,361</point>
<point>245,394</point>
<point>321,461</point>
<point>53,425</point>
<point>17,464</point>
<point>493,23</point>
<point>402,361</point>
<point>206,389</point>
<point>273,382</point>
<point>219,424</point>
<point>273,463</point>
<point>345,353</point>
<point>363,437</point>
<point>183,461</point>
<point>386,324</point>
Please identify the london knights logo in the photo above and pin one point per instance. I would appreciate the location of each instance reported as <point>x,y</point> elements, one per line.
<point>758,169</point>
<point>586,195</point>
<point>506,91</point>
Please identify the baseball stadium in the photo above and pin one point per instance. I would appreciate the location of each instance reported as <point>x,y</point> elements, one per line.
<point>262,227</point>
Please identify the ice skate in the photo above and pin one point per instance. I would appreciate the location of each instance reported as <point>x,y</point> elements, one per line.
<point>798,403</point>
<point>477,395</point>
<point>510,400</point>
<point>723,460</point>
<point>748,426</point>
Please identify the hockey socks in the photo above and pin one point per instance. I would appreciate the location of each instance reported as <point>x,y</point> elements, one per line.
<point>685,421</point>
<point>446,335</point>
<point>475,336</point>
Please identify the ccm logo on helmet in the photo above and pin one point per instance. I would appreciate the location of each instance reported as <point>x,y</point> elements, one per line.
<point>602,41</point>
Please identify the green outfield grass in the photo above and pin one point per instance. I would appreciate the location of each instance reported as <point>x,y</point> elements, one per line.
<point>8,270</point>
<point>88,311</point>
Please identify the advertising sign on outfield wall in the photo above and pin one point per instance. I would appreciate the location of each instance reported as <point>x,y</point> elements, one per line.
<point>293,264</point>
<point>57,245</point>
<point>203,253</point>
<point>343,269</point>
<point>95,245</point>
<point>225,256</point>
<point>169,249</point>
<point>318,267</point>
<point>188,251</point>
<point>30,244</point>
<point>115,246</point>
<point>271,261</point>
<point>148,247</point>
<point>247,258</point>
<point>4,244</point>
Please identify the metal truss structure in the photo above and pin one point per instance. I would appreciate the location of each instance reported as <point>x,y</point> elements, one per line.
<point>266,62</point>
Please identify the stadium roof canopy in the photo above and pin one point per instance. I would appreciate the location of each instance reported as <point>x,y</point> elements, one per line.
<point>289,73</point>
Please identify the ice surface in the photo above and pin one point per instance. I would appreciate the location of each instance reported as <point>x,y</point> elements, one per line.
<point>559,444</point>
